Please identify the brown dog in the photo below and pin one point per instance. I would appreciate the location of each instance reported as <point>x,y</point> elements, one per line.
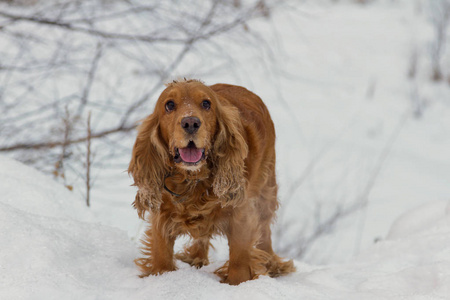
<point>204,163</point>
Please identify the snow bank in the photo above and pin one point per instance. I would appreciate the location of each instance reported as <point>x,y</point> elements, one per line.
<point>420,219</point>
<point>28,190</point>
<point>51,248</point>
<point>415,258</point>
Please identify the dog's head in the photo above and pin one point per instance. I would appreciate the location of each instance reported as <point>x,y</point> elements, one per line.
<point>188,122</point>
<point>190,129</point>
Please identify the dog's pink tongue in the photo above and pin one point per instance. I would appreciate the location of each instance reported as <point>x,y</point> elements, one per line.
<point>190,154</point>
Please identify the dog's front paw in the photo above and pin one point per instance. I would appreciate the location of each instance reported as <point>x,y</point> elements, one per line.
<point>148,267</point>
<point>236,275</point>
<point>222,272</point>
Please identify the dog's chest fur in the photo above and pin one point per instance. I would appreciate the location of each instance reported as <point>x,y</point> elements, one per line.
<point>195,210</point>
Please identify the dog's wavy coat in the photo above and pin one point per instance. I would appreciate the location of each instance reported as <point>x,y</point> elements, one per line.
<point>204,163</point>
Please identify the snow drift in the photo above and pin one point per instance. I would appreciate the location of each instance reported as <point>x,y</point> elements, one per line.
<point>53,248</point>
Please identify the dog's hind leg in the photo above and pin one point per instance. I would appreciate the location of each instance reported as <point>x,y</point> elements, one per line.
<point>267,206</point>
<point>196,254</point>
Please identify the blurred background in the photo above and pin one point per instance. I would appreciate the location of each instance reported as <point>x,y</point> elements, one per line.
<point>359,92</point>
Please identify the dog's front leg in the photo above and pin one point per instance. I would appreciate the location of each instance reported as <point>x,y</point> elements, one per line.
<point>240,240</point>
<point>157,248</point>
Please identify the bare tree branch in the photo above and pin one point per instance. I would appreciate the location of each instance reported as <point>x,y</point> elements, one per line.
<point>90,80</point>
<point>54,144</point>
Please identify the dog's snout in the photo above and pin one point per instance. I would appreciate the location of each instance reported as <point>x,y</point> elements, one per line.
<point>191,124</point>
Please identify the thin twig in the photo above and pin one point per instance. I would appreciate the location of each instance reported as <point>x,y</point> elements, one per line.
<point>88,161</point>
<point>90,79</point>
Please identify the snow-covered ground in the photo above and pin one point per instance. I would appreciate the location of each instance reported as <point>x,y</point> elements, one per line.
<point>338,91</point>
<point>53,248</point>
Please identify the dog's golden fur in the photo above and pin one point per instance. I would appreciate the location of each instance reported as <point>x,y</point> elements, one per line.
<point>231,191</point>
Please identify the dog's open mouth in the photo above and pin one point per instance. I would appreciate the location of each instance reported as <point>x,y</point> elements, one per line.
<point>190,155</point>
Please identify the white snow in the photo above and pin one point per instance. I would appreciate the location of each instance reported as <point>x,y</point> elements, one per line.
<point>51,250</point>
<point>337,92</point>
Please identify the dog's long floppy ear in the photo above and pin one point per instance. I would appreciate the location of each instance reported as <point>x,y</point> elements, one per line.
<point>148,165</point>
<point>230,150</point>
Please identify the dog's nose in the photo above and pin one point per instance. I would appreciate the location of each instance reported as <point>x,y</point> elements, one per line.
<point>191,124</point>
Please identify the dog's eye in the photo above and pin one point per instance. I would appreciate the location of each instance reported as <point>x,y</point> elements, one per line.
<point>170,105</point>
<point>206,104</point>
